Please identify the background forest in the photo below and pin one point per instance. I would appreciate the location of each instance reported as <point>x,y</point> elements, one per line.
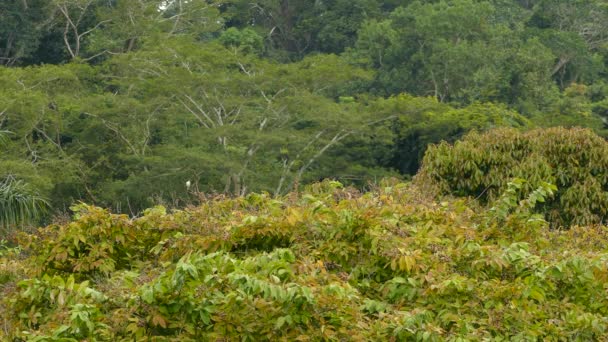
<point>119,103</point>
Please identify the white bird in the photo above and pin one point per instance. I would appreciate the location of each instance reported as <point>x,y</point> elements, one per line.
<point>188,184</point>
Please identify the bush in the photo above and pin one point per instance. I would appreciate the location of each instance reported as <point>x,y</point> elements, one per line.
<point>96,242</point>
<point>481,165</point>
<point>325,264</point>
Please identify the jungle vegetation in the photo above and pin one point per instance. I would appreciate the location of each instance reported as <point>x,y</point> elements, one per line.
<point>288,170</point>
<point>119,103</point>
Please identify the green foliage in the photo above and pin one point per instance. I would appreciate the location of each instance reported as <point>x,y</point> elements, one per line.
<point>120,103</point>
<point>63,297</point>
<point>388,264</point>
<point>295,29</point>
<point>424,121</point>
<point>513,52</point>
<point>481,165</point>
<point>94,243</point>
<point>142,124</point>
<point>21,29</point>
<point>225,106</point>
<point>246,40</point>
<point>19,204</point>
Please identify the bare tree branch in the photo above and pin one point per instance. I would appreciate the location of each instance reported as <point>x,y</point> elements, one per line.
<point>201,110</point>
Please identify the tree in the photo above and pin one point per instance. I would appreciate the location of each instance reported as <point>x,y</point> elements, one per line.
<point>226,120</point>
<point>481,166</point>
<point>421,122</point>
<point>465,51</point>
<point>129,25</point>
<point>298,28</point>
<point>22,24</point>
<point>78,20</point>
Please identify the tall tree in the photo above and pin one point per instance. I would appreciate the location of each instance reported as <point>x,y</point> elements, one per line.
<point>300,27</point>
<point>22,23</point>
<point>457,50</point>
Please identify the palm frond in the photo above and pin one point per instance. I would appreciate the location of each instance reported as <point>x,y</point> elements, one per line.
<point>19,204</point>
<point>4,136</point>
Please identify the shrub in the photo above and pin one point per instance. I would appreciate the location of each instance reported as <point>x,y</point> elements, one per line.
<point>481,165</point>
<point>387,265</point>
<point>94,243</point>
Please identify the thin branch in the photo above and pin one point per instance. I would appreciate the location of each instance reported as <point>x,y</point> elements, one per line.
<point>93,28</point>
<point>287,167</point>
<point>200,120</point>
<point>235,116</point>
<point>177,18</point>
<point>97,55</point>
<point>339,136</point>
<point>201,110</point>
<point>248,73</point>
<point>114,128</point>
<point>67,41</point>
<point>50,139</point>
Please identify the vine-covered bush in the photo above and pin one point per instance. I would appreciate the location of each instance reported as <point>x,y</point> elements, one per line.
<point>327,264</point>
<point>481,165</point>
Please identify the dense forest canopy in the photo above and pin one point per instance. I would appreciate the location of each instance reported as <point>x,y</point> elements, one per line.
<point>120,103</point>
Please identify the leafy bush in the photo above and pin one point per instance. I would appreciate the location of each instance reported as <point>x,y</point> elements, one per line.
<point>481,165</point>
<point>96,242</point>
<point>326,264</point>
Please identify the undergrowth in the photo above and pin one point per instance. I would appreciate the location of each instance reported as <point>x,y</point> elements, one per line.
<point>329,263</point>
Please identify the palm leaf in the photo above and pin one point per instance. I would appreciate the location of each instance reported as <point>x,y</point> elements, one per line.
<point>4,136</point>
<point>19,204</point>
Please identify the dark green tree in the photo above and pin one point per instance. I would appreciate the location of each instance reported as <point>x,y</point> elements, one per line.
<point>22,27</point>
